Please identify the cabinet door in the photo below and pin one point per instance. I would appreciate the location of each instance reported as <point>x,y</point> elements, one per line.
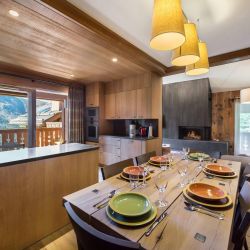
<point>130,148</point>
<point>110,104</point>
<point>92,95</point>
<point>120,105</point>
<point>144,103</point>
<point>130,105</point>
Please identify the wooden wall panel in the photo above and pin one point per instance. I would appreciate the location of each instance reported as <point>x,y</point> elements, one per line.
<point>223,119</point>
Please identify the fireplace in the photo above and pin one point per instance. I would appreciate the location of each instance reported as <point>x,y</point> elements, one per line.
<point>194,133</point>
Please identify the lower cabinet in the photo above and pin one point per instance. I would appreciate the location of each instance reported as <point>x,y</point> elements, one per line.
<point>115,149</point>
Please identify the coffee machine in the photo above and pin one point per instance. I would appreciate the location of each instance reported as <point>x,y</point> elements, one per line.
<point>132,130</point>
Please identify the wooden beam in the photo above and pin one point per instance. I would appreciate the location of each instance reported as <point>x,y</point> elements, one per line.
<point>231,57</point>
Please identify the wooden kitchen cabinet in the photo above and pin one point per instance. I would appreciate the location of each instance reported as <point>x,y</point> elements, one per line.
<point>131,148</point>
<point>110,106</point>
<point>92,95</point>
<point>144,103</point>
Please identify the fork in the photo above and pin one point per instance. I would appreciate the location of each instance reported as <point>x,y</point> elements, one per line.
<point>110,195</point>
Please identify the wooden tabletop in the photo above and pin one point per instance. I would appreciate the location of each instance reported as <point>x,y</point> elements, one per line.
<point>178,229</point>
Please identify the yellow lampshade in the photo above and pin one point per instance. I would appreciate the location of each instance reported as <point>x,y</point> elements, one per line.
<point>202,66</point>
<point>188,53</point>
<point>168,27</point>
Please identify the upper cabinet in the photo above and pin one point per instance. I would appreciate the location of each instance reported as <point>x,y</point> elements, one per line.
<point>92,95</point>
<point>130,98</point>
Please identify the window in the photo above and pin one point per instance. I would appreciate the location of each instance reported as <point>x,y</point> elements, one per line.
<point>13,120</point>
<point>242,129</point>
<point>49,122</point>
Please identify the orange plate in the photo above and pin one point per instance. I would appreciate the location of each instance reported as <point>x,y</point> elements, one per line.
<point>218,169</point>
<point>158,159</point>
<point>134,170</point>
<point>206,191</point>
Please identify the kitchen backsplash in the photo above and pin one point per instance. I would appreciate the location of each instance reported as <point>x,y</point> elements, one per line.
<point>121,127</point>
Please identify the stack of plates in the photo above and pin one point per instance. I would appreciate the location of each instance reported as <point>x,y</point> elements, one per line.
<point>158,160</point>
<point>195,156</point>
<point>220,171</point>
<point>134,170</point>
<point>131,209</point>
<point>207,195</point>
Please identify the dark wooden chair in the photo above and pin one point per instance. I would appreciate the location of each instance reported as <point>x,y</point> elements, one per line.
<point>242,218</point>
<point>116,168</point>
<point>144,158</point>
<point>215,154</point>
<point>89,238</point>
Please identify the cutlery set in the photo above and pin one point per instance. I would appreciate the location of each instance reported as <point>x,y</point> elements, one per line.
<point>102,203</point>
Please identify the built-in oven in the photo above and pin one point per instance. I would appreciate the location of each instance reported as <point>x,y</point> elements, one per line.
<point>92,124</point>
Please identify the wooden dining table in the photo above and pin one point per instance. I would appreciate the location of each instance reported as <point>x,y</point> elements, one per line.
<point>181,228</point>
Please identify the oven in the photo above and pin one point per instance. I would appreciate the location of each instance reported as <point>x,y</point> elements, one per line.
<point>92,124</point>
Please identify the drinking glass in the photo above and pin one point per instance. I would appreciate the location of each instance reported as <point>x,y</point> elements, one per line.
<point>200,158</point>
<point>184,151</point>
<point>134,180</point>
<point>161,183</point>
<point>183,172</point>
<point>163,163</point>
<point>145,172</point>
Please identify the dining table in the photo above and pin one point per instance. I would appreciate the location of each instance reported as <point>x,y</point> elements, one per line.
<point>181,228</point>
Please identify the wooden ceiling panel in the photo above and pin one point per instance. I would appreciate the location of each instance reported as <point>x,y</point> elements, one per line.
<point>36,42</point>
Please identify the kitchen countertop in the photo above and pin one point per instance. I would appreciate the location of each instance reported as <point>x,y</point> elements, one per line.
<point>8,158</point>
<point>135,138</point>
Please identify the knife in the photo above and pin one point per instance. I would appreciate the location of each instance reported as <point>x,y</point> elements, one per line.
<point>156,222</point>
<point>110,195</point>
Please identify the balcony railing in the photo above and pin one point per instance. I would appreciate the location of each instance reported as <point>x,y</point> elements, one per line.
<point>19,137</point>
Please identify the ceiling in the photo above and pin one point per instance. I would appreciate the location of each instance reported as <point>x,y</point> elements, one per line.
<point>227,77</point>
<point>224,24</point>
<point>43,40</point>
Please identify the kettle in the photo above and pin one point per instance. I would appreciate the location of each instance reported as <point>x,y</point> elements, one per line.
<point>143,131</point>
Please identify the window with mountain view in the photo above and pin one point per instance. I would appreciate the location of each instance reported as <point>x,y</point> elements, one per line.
<point>14,122</point>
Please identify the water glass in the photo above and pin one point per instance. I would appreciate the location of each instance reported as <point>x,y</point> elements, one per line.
<point>183,172</point>
<point>200,158</point>
<point>163,163</point>
<point>161,183</point>
<point>145,173</point>
<point>134,180</point>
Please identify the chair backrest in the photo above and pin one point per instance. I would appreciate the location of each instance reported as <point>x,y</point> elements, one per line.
<point>215,154</point>
<point>89,238</point>
<point>144,158</point>
<point>116,168</point>
<point>242,218</point>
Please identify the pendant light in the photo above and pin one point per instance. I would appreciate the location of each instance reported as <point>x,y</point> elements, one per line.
<point>245,95</point>
<point>188,53</point>
<point>168,26</point>
<point>202,66</point>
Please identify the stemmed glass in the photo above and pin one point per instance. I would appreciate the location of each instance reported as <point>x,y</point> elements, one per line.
<point>145,172</point>
<point>163,163</point>
<point>182,170</point>
<point>185,152</point>
<point>200,158</point>
<point>161,183</point>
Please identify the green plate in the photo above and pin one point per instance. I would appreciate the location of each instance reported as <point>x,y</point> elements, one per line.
<point>196,155</point>
<point>130,204</point>
<point>132,221</point>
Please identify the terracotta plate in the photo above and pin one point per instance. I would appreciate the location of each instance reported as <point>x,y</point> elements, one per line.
<point>218,169</point>
<point>158,159</point>
<point>206,191</point>
<point>133,170</point>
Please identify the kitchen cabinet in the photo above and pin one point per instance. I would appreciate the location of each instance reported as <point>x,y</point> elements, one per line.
<point>131,148</point>
<point>92,95</point>
<point>114,149</point>
<point>110,106</point>
<point>144,103</point>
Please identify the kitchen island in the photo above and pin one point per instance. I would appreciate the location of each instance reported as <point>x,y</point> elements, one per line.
<point>32,184</point>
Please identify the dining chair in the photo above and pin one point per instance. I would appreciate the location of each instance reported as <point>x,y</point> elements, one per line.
<point>215,154</point>
<point>245,165</point>
<point>242,218</point>
<point>116,168</point>
<point>144,158</point>
<point>89,238</point>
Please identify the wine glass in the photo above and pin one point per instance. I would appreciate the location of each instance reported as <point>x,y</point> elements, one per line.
<point>200,159</point>
<point>163,163</point>
<point>161,183</point>
<point>184,151</point>
<point>145,172</point>
<point>182,170</point>
<point>134,180</point>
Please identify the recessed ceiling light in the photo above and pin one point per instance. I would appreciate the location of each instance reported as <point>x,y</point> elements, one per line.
<point>13,13</point>
<point>114,59</point>
<point>72,75</point>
